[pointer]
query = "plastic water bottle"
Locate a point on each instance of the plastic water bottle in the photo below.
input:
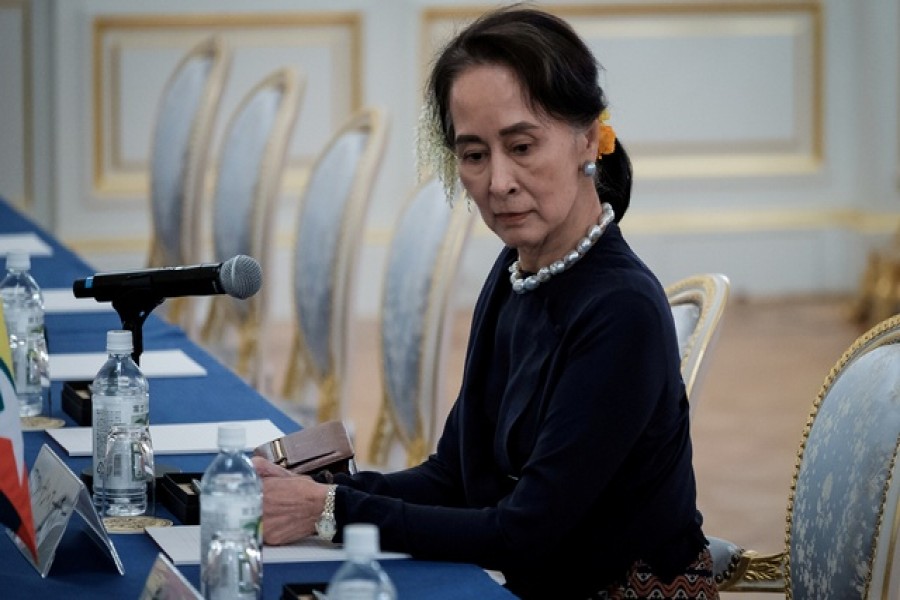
(360, 577)
(120, 395)
(230, 507)
(23, 311)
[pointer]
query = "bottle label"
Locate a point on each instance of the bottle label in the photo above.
(125, 472)
(113, 410)
(24, 319)
(221, 512)
(12, 309)
(30, 362)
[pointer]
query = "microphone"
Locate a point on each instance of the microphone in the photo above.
(240, 276)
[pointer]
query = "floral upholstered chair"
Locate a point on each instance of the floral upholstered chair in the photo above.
(326, 250)
(698, 304)
(416, 313)
(248, 180)
(181, 137)
(843, 521)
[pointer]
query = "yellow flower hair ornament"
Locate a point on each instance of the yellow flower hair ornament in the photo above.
(607, 135)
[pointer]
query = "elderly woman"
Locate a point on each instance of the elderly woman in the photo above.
(565, 462)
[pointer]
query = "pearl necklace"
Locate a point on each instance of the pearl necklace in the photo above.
(522, 284)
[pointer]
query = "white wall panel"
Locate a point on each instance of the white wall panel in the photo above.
(134, 55)
(764, 134)
(15, 99)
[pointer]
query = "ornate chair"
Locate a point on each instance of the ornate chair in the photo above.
(843, 521)
(698, 303)
(415, 322)
(181, 136)
(248, 179)
(326, 247)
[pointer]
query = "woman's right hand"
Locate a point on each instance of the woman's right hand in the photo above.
(291, 503)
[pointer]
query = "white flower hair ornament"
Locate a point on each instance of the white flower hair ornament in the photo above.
(433, 157)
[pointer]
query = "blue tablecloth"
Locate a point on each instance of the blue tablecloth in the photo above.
(80, 568)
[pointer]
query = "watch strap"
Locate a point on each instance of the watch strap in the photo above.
(326, 526)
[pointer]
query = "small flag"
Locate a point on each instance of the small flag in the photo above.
(15, 501)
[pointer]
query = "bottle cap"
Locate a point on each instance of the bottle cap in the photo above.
(361, 540)
(118, 341)
(231, 436)
(18, 260)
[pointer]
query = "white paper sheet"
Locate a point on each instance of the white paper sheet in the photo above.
(154, 363)
(64, 301)
(182, 545)
(187, 438)
(29, 242)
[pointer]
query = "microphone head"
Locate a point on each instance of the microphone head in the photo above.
(240, 276)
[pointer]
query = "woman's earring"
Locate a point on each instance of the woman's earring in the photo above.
(589, 168)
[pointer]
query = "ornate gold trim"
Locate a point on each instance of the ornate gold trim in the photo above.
(756, 573)
(134, 180)
(692, 165)
(710, 292)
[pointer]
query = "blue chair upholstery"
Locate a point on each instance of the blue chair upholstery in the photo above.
(325, 255)
(181, 136)
(698, 304)
(843, 522)
(248, 179)
(416, 312)
(840, 516)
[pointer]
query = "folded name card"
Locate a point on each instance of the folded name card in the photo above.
(26, 242)
(64, 301)
(182, 545)
(154, 363)
(179, 438)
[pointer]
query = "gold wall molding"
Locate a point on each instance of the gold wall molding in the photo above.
(797, 23)
(118, 173)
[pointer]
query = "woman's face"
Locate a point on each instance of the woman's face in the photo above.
(522, 169)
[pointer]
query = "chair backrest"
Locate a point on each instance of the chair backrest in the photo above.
(326, 250)
(698, 303)
(416, 311)
(248, 178)
(843, 523)
(181, 136)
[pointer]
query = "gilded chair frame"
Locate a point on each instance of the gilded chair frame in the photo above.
(709, 292)
(326, 374)
(247, 316)
(430, 338)
(879, 293)
(184, 225)
(751, 571)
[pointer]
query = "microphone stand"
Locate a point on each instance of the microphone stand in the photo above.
(134, 306)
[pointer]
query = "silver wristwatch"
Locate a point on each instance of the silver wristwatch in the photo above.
(326, 526)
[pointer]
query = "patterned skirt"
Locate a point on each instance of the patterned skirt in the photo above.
(697, 583)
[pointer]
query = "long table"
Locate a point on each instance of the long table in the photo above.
(80, 568)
